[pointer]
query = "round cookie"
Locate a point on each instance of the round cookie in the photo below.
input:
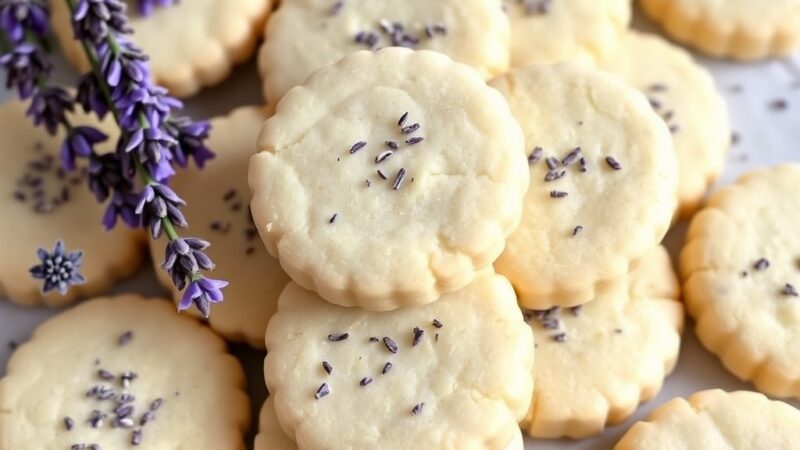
(305, 35)
(739, 29)
(595, 363)
(42, 204)
(740, 268)
(191, 44)
(217, 203)
(389, 179)
(123, 372)
(716, 419)
(271, 437)
(555, 31)
(452, 374)
(682, 92)
(603, 182)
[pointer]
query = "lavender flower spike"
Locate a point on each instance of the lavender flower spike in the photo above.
(17, 16)
(202, 293)
(59, 269)
(156, 203)
(79, 143)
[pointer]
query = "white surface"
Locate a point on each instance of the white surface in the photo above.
(767, 137)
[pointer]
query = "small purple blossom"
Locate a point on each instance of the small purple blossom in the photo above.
(202, 293)
(149, 102)
(122, 205)
(25, 66)
(49, 107)
(190, 137)
(185, 257)
(93, 20)
(90, 96)
(79, 143)
(19, 16)
(156, 203)
(152, 147)
(146, 7)
(58, 269)
(123, 67)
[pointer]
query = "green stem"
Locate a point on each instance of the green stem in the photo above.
(147, 179)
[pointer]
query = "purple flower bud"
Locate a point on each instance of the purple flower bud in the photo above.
(25, 65)
(184, 257)
(122, 205)
(92, 20)
(106, 175)
(19, 16)
(202, 293)
(49, 107)
(80, 142)
(90, 96)
(146, 7)
(190, 137)
(156, 203)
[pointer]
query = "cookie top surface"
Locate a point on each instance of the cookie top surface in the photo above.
(548, 32)
(364, 224)
(741, 272)
(41, 204)
(452, 374)
(109, 354)
(304, 35)
(217, 203)
(682, 92)
(595, 363)
(610, 194)
(717, 419)
(191, 44)
(763, 14)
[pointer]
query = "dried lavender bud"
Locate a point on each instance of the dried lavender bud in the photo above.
(418, 335)
(390, 344)
(327, 367)
(790, 291)
(323, 391)
(58, 269)
(761, 264)
(417, 409)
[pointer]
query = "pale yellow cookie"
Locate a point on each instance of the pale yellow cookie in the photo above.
(305, 35)
(123, 372)
(602, 187)
(192, 44)
(739, 29)
(271, 437)
(595, 363)
(450, 375)
(682, 92)
(41, 204)
(555, 31)
(717, 420)
(389, 179)
(217, 200)
(741, 276)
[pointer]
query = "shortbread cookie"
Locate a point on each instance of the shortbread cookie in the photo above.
(123, 372)
(602, 187)
(741, 275)
(304, 35)
(217, 202)
(191, 44)
(739, 29)
(595, 363)
(452, 374)
(682, 92)
(271, 437)
(388, 179)
(716, 419)
(41, 204)
(554, 31)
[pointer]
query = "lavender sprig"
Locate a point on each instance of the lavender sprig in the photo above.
(150, 143)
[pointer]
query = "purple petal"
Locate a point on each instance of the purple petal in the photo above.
(189, 295)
